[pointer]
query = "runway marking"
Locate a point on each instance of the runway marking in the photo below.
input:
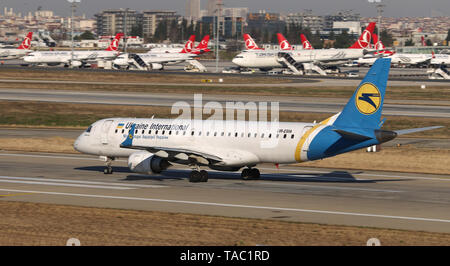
(16, 194)
(333, 187)
(235, 206)
(262, 168)
(79, 182)
(62, 184)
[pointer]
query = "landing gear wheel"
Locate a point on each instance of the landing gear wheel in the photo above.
(254, 173)
(108, 171)
(204, 176)
(246, 174)
(195, 177)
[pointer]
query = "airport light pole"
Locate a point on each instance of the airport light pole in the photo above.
(380, 9)
(125, 40)
(219, 9)
(73, 6)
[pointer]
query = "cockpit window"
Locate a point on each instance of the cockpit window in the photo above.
(89, 129)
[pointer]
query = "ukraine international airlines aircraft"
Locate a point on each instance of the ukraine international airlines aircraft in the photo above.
(157, 60)
(152, 145)
(79, 57)
(272, 58)
(22, 50)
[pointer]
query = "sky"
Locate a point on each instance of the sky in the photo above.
(394, 8)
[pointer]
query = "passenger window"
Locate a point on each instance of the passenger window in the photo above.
(164, 132)
(285, 135)
(222, 134)
(199, 133)
(292, 136)
(270, 136)
(278, 135)
(135, 132)
(123, 131)
(235, 135)
(184, 133)
(229, 134)
(249, 135)
(170, 132)
(192, 133)
(207, 134)
(156, 132)
(262, 135)
(215, 134)
(143, 132)
(256, 135)
(116, 131)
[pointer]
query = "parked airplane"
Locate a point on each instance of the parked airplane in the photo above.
(440, 59)
(152, 145)
(381, 52)
(22, 50)
(157, 60)
(78, 59)
(250, 44)
(187, 47)
(266, 60)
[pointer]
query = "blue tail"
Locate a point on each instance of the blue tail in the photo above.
(364, 109)
(128, 142)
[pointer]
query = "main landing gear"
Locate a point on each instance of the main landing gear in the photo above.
(198, 175)
(108, 168)
(250, 174)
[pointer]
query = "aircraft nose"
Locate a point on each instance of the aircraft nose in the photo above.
(79, 145)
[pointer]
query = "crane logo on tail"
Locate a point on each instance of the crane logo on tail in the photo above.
(364, 42)
(368, 99)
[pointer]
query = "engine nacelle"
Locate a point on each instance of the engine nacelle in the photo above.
(76, 63)
(145, 162)
(156, 66)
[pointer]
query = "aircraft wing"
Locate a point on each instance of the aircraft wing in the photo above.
(176, 154)
(166, 60)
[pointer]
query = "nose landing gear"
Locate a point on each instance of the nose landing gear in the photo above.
(108, 168)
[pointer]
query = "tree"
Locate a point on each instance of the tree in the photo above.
(137, 30)
(448, 37)
(386, 38)
(87, 35)
(409, 42)
(429, 42)
(343, 40)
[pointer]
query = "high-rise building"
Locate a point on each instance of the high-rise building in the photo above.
(213, 5)
(113, 21)
(193, 9)
(151, 19)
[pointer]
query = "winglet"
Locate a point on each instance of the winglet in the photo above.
(129, 140)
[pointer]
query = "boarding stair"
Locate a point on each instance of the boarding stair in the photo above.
(137, 62)
(194, 66)
(288, 61)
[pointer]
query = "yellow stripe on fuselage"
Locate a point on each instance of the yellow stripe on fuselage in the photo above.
(302, 141)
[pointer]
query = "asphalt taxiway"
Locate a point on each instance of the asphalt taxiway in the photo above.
(326, 196)
(291, 104)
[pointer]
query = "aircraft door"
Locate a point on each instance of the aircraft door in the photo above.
(105, 131)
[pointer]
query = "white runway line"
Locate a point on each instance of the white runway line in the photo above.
(234, 206)
(79, 182)
(332, 187)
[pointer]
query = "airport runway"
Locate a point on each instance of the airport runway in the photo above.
(291, 104)
(327, 196)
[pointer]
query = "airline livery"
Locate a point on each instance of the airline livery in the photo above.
(250, 44)
(79, 57)
(22, 50)
(157, 60)
(284, 44)
(153, 145)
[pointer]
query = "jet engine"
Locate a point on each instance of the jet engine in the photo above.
(156, 66)
(145, 162)
(76, 63)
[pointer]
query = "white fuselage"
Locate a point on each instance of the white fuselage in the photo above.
(154, 58)
(13, 53)
(270, 59)
(441, 59)
(245, 143)
(65, 57)
(410, 59)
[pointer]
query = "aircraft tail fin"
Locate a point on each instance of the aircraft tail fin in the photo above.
(114, 45)
(364, 109)
(128, 142)
(250, 44)
(364, 40)
(189, 45)
(284, 44)
(26, 43)
(306, 44)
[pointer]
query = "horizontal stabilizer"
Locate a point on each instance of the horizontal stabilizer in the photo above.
(352, 135)
(414, 130)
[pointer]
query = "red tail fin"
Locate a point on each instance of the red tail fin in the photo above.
(189, 45)
(250, 44)
(115, 43)
(204, 43)
(364, 40)
(306, 44)
(424, 43)
(26, 42)
(284, 44)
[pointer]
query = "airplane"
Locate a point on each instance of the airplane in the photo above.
(284, 44)
(22, 50)
(269, 59)
(80, 58)
(157, 60)
(153, 145)
(381, 52)
(250, 44)
(440, 59)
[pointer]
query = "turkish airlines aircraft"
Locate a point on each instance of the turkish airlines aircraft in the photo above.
(250, 44)
(157, 60)
(79, 57)
(381, 52)
(152, 145)
(271, 58)
(22, 50)
(284, 44)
